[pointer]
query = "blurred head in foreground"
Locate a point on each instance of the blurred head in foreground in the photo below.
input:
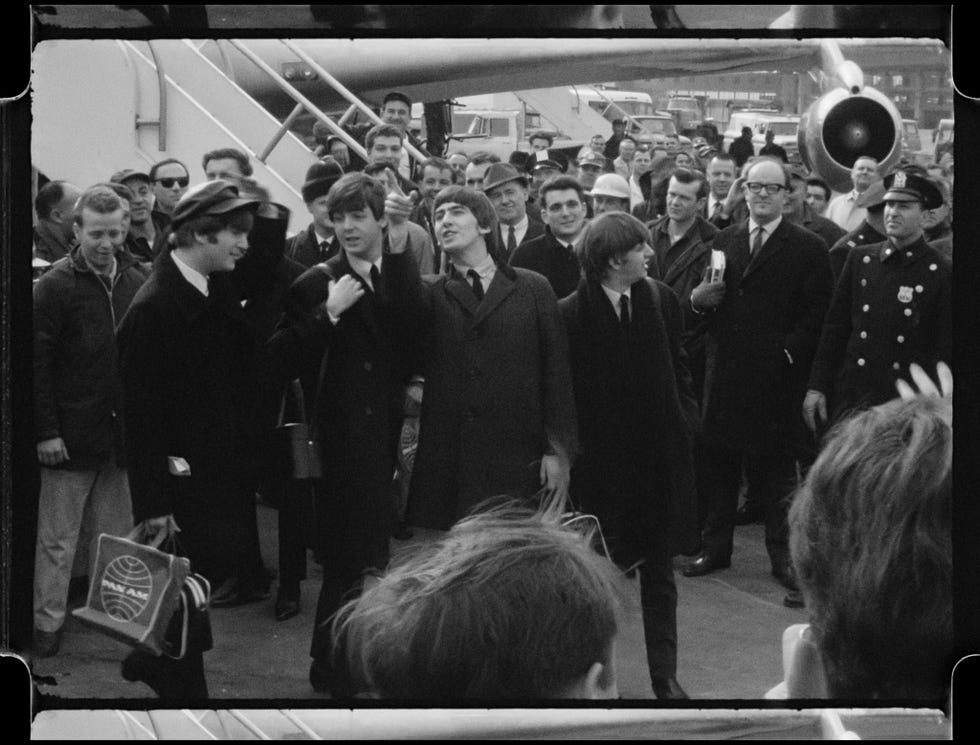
(871, 541)
(510, 604)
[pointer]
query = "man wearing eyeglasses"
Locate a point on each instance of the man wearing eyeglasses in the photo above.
(553, 254)
(763, 321)
(169, 179)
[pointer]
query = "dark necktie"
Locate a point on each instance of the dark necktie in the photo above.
(324, 246)
(624, 314)
(376, 280)
(716, 210)
(511, 242)
(757, 243)
(477, 285)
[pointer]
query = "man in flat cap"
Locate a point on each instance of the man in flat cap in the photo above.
(186, 363)
(507, 190)
(147, 231)
(892, 307)
(317, 243)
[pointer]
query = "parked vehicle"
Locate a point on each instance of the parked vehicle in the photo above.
(911, 142)
(784, 126)
(942, 135)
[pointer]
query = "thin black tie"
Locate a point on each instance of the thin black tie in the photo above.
(511, 242)
(624, 314)
(375, 280)
(477, 285)
(716, 210)
(757, 243)
(324, 246)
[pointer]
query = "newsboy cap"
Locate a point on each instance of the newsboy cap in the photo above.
(319, 178)
(120, 177)
(210, 198)
(500, 173)
(905, 186)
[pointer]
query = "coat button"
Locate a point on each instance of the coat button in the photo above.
(861, 362)
(900, 339)
(864, 283)
(908, 311)
(896, 366)
(933, 267)
(919, 288)
(864, 334)
(866, 308)
(867, 259)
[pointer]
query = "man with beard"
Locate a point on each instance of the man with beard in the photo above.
(554, 253)
(634, 469)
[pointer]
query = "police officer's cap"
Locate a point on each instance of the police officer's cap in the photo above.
(904, 186)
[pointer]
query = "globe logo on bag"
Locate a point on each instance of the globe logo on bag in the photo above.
(125, 588)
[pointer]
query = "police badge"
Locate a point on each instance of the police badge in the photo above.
(899, 183)
(905, 294)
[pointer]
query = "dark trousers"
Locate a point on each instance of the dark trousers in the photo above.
(775, 480)
(295, 527)
(658, 598)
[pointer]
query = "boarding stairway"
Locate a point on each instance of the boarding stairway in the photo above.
(577, 122)
(101, 106)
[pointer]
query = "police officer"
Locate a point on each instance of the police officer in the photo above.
(892, 307)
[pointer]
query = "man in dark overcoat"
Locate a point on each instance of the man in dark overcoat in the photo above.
(892, 307)
(360, 309)
(317, 243)
(187, 363)
(636, 415)
(498, 413)
(763, 322)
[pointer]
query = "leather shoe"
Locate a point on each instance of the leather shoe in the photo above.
(794, 599)
(749, 514)
(234, 592)
(704, 564)
(287, 605)
(784, 575)
(668, 688)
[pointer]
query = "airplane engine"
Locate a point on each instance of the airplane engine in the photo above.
(849, 121)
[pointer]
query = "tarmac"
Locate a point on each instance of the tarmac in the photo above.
(730, 625)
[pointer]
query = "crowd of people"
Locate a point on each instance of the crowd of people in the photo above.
(633, 334)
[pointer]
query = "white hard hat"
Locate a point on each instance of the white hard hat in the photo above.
(611, 185)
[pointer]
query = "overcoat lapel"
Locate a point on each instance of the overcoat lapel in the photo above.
(501, 286)
(773, 245)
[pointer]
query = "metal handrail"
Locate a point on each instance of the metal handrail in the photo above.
(343, 91)
(162, 86)
(291, 91)
(280, 133)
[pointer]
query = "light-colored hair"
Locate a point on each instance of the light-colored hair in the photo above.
(510, 604)
(871, 541)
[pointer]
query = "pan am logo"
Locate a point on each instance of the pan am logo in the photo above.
(126, 587)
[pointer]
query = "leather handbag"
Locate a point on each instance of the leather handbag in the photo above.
(299, 453)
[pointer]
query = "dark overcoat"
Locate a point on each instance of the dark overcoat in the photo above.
(892, 307)
(187, 365)
(762, 337)
(498, 393)
(359, 408)
(552, 259)
(636, 417)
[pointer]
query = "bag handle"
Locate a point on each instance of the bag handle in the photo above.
(138, 534)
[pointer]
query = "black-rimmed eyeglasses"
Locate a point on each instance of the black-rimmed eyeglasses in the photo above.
(168, 183)
(756, 188)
